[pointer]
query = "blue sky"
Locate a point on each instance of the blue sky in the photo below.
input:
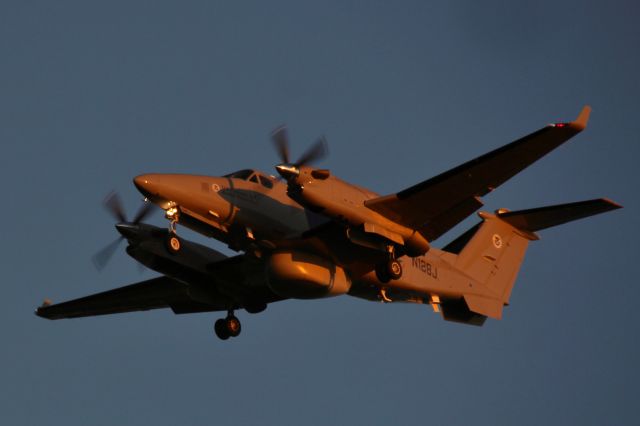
(94, 93)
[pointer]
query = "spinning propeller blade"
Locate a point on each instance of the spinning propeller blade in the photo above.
(280, 140)
(144, 211)
(286, 169)
(113, 205)
(316, 152)
(101, 258)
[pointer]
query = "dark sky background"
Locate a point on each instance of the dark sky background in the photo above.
(94, 93)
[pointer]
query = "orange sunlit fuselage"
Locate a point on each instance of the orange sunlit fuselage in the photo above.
(250, 201)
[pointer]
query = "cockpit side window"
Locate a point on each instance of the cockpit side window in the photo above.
(266, 182)
(254, 178)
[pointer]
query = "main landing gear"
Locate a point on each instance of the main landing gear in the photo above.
(227, 327)
(389, 270)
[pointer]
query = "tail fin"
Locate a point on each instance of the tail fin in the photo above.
(492, 258)
(491, 252)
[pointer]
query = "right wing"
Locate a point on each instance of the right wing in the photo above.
(161, 292)
(438, 204)
(232, 282)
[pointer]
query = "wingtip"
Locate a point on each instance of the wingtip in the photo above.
(612, 204)
(580, 123)
(40, 311)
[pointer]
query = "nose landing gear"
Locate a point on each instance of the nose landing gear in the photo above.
(173, 242)
(227, 327)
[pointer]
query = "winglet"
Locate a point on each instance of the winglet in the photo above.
(580, 123)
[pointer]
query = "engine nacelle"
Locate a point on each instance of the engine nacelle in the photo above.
(416, 245)
(300, 275)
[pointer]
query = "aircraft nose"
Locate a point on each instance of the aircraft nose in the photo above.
(145, 184)
(149, 185)
(159, 188)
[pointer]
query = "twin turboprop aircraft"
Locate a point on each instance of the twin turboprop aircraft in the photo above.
(309, 234)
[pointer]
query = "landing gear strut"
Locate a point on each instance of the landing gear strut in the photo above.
(227, 327)
(173, 242)
(389, 270)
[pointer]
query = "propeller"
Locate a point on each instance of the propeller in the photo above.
(287, 169)
(113, 205)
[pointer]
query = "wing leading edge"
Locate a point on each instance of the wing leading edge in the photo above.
(437, 204)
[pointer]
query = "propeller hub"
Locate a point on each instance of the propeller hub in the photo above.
(128, 230)
(288, 171)
(131, 231)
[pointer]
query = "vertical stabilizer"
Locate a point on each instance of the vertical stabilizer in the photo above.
(491, 252)
(492, 257)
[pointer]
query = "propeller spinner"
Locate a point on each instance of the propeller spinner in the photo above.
(287, 169)
(113, 205)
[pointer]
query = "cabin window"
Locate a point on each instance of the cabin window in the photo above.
(254, 178)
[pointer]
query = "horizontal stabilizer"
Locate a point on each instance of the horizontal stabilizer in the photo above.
(457, 310)
(486, 306)
(533, 220)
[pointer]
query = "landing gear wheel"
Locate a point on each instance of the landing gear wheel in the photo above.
(233, 326)
(220, 327)
(391, 270)
(227, 327)
(394, 269)
(382, 274)
(173, 243)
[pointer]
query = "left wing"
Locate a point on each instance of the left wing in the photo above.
(436, 205)
(161, 292)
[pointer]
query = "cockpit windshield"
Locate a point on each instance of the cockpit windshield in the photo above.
(252, 176)
(240, 174)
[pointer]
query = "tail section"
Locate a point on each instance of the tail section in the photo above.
(492, 258)
(491, 252)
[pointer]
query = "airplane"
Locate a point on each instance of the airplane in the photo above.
(308, 234)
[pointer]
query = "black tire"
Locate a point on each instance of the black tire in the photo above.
(394, 269)
(221, 330)
(382, 274)
(173, 243)
(232, 324)
(255, 308)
